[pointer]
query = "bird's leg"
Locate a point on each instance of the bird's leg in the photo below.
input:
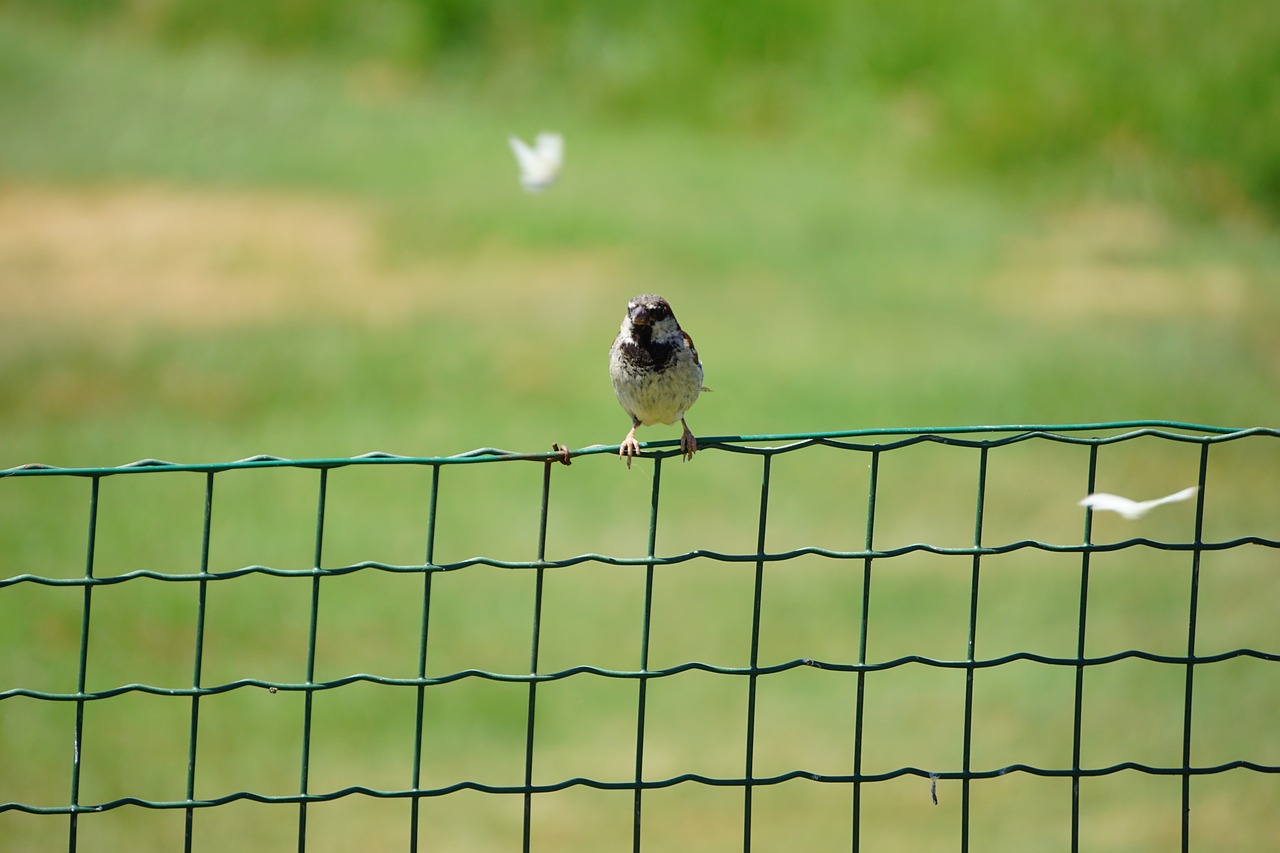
(688, 444)
(630, 447)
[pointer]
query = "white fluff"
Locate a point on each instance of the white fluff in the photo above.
(539, 163)
(1133, 509)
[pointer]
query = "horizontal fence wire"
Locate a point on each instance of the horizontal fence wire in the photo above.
(864, 562)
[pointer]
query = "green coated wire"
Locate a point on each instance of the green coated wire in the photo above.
(654, 784)
(198, 665)
(1082, 622)
(308, 694)
(670, 560)
(82, 668)
(872, 442)
(642, 690)
(1192, 619)
(971, 650)
(732, 444)
(534, 647)
(647, 675)
(420, 706)
(863, 621)
(752, 679)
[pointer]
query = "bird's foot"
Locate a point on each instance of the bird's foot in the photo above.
(688, 444)
(630, 448)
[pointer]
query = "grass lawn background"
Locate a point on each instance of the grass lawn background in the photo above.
(218, 240)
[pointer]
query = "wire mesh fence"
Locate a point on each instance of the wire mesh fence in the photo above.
(818, 641)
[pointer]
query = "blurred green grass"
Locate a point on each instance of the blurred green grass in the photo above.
(1182, 100)
(920, 243)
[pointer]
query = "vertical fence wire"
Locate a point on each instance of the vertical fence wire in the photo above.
(864, 616)
(419, 731)
(82, 666)
(1192, 618)
(534, 645)
(1077, 715)
(757, 597)
(312, 629)
(642, 687)
(971, 650)
(202, 590)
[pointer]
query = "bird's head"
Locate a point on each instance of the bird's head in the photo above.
(648, 309)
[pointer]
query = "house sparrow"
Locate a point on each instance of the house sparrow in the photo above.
(539, 163)
(655, 371)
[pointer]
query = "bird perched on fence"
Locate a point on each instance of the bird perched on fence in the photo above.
(655, 370)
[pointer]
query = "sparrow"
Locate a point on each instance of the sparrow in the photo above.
(655, 370)
(539, 163)
(1132, 509)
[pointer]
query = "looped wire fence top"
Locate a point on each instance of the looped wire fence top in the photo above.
(827, 640)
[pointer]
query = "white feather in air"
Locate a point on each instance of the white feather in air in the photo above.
(1133, 509)
(539, 163)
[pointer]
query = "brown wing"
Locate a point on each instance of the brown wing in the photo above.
(688, 341)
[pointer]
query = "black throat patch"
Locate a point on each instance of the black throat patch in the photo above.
(646, 350)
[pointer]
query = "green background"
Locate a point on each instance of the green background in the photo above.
(295, 228)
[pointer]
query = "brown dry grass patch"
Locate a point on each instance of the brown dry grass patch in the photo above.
(1111, 260)
(129, 258)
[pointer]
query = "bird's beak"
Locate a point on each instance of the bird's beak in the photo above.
(640, 317)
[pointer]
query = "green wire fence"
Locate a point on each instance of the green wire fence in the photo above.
(32, 806)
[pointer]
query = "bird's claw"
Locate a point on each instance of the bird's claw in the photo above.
(630, 448)
(688, 444)
(563, 450)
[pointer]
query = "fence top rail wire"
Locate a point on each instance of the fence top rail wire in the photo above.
(846, 439)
